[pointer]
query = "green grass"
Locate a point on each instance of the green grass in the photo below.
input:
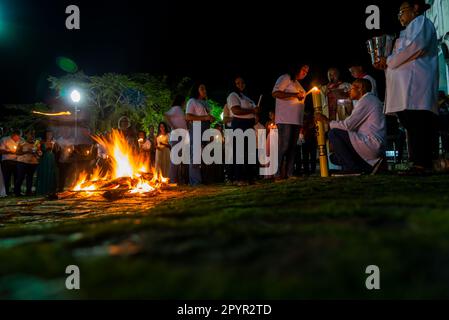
(306, 238)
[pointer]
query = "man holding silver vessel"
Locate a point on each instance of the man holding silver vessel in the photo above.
(412, 83)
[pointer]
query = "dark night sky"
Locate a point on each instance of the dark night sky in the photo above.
(210, 40)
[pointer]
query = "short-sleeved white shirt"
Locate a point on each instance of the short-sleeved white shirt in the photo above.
(243, 101)
(289, 111)
(197, 107)
(177, 117)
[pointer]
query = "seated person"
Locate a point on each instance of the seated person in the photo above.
(358, 142)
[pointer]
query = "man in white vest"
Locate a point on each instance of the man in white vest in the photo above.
(412, 83)
(358, 142)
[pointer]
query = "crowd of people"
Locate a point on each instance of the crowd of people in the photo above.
(353, 114)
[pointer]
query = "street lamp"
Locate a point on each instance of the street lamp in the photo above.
(75, 96)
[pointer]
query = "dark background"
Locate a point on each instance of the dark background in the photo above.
(208, 40)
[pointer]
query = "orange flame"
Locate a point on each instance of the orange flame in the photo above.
(126, 162)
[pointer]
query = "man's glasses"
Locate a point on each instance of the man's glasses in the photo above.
(402, 11)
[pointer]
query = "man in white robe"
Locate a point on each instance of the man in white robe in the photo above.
(412, 83)
(358, 142)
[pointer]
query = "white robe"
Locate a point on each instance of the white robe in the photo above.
(366, 127)
(412, 73)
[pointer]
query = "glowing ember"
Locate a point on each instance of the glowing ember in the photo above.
(128, 173)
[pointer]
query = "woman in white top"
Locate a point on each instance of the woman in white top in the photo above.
(197, 110)
(163, 150)
(244, 111)
(412, 83)
(289, 95)
(177, 120)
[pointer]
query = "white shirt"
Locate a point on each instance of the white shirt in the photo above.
(197, 107)
(144, 145)
(373, 84)
(244, 102)
(8, 144)
(412, 73)
(366, 127)
(177, 117)
(289, 111)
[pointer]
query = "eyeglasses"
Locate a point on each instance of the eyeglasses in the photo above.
(402, 11)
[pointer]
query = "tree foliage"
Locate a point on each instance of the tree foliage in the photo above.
(142, 97)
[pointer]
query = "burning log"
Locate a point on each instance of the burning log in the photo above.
(115, 194)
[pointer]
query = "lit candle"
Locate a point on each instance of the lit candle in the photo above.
(260, 99)
(316, 95)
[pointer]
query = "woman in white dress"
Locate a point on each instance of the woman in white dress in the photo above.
(163, 150)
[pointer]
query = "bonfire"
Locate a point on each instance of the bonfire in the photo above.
(128, 174)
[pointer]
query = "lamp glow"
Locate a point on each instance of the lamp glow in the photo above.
(75, 96)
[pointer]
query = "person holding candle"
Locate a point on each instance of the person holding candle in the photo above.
(27, 162)
(176, 119)
(244, 111)
(163, 150)
(412, 84)
(289, 95)
(197, 111)
(144, 145)
(46, 182)
(8, 149)
(358, 142)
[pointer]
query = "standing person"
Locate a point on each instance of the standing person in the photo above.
(124, 126)
(163, 150)
(152, 139)
(412, 83)
(271, 123)
(65, 152)
(27, 161)
(335, 89)
(46, 183)
(144, 149)
(243, 110)
(8, 150)
(290, 97)
(358, 72)
(227, 122)
(176, 119)
(197, 111)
